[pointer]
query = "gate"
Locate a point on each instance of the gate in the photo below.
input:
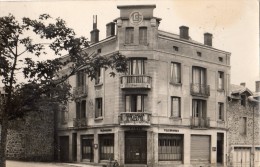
(135, 147)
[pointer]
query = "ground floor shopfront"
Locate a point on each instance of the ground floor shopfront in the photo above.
(147, 146)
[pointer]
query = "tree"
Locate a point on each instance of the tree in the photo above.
(18, 52)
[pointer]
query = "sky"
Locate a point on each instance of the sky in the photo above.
(233, 23)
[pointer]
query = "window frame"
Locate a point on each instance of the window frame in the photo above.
(98, 110)
(176, 80)
(137, 61)
(129, 35)
(143, 38)
(133, 104)
(178, 99)
(221, 111)
(221, 81)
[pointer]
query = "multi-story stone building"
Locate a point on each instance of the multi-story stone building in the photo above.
(243, 126)
(168, 110)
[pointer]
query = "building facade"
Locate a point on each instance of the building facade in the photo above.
(169, 109)
(243, 126)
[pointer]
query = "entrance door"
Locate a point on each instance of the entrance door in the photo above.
(220, 144)
(64, 148)
(87, 148)
(74, 146)
(136, 147)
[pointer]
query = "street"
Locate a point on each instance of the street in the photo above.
(43, 164)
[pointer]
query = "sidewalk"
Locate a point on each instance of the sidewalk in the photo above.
(46, 164)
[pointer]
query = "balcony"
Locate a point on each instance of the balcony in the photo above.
(200, 90)
(135, 119)
(199, 123)
(80, 91)
(136, 81)
(79, 122)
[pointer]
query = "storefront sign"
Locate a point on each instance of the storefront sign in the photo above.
(171, 130)
(105, 130)
(136, 128)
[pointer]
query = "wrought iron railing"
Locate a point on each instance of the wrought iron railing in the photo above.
(136, 81)
(200, 122)
(200, 90)
(135, 118)
(80, 91)
(80, 122)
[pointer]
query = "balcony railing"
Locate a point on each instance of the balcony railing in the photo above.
(200, 90)
(136, 81)
(135, 119)
(80, 91)
(79, 122)
(200, 123)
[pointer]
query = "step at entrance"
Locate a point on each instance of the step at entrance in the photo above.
(135, 165)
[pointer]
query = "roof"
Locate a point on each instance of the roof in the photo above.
(239, 89)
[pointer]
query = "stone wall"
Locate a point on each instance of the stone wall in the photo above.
(32, 137)
(235, 111)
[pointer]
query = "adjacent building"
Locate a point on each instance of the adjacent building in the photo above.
(243, 126)
(169, 109)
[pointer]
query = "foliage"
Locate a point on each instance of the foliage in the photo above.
(45, 81)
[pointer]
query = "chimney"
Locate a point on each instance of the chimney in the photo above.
(184, 32)
(110, 29)
(243, 84)
(257, 86)
(95, 32)
(208, 39)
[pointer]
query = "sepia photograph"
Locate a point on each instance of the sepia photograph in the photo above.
(139, 83)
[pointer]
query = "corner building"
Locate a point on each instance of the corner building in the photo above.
(168, 110)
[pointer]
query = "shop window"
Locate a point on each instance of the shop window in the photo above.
(175, 107)
(106, 143)
(98, 105)
(170, 147)
(129, 35)
(175, 73)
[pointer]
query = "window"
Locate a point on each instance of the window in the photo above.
(175, 107)
(243, 100)
(106, 143)
(129, 35)
(198, 108)
(220, 80)
(136, 66)
(175, 73)
(99, 76)
(221, 111)
(176, 48)
(199, 75)
(243, 126)
(170, 147)
(143, 35)
(135, 103)
(63, 114)
(220, 59)
(98, 105)
(199, 54)
(80, 79)
(99, 51)
(81, 109)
